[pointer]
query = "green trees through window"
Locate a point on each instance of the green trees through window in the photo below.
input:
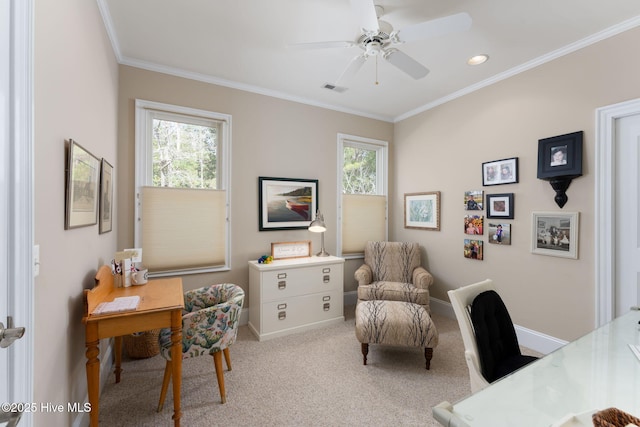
(184, 155)
(359, 173)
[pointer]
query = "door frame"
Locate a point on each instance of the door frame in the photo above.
(19, 188)
(605, 208)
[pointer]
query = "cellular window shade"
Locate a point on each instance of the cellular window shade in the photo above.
(363, 219)
(183, 228)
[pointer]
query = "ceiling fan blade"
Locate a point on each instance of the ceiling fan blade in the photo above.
(321, 45)
(406, 63)
(352, 69)
(365, 13)
(435, 27)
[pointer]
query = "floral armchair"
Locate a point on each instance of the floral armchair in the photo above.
(392, 271)
(209, 326)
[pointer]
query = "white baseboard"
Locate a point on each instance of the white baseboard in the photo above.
(534, 340)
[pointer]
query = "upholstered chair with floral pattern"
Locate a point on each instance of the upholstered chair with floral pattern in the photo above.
(209, 326)
(392, 271)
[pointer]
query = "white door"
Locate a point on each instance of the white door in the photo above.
(16, 207)
(627, 246)
(4, 156)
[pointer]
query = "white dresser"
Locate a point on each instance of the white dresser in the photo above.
(294, 295)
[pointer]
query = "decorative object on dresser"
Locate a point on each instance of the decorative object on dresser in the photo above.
(294, 295)
(559, 162)
(210, 324)
(282, 250)
(393, 271)
(318, 226)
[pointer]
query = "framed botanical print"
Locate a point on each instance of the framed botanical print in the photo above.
(422, 210)
(106, 197)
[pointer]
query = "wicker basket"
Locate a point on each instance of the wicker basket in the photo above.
(142, 345)
(614, 417)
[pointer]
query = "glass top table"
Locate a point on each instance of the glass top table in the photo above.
(595, 372)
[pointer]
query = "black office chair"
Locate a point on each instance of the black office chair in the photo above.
(496, 339)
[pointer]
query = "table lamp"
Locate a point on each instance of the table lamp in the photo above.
(317, 226)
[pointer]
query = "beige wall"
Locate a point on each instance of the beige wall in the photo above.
(270, 137)
(443, 149)
(75, 95)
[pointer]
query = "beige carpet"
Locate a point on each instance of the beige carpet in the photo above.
(313, 378)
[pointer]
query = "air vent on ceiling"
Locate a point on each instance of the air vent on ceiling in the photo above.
(334, 88)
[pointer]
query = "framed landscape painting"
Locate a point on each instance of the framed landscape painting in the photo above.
(82, 181)
(422, 210)
(286, 204)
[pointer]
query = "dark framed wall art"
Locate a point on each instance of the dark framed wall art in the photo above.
(498, 172)
(285, 203)
(560, 156)
(500, 206)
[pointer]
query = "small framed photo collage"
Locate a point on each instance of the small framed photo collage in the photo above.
(489, 211)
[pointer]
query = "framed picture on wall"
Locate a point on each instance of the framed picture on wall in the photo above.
(498, 172)
(285, 203)
(422, 210)
(500, 206)
(555, 234)
(82, 187)
(106, 197)
(560, 156)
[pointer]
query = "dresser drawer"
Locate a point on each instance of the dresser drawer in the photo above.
(302, 310)
(285, 283)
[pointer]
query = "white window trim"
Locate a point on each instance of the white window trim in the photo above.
(144, 166)
(382, 159)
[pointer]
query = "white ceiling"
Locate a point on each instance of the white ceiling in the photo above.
(245, 44)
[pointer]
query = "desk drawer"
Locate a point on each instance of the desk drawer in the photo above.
(301, 310)
(280, 284)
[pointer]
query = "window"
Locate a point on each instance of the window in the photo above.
(182, 188)
(362, 201)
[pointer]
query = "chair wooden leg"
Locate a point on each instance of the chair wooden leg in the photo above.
(365, 351)
(165, 385)
(217, 361)
(227, 358)
(428, 354)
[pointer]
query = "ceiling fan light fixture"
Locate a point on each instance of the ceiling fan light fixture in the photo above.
(478, 59)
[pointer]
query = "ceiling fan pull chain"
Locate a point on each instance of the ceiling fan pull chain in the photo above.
(377, 70)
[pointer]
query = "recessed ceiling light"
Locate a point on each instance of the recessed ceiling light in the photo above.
(478, 59)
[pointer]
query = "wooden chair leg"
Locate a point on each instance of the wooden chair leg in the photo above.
(217, 361)
(365, 351)
(428, 354)
(227, 358)
(165, 385)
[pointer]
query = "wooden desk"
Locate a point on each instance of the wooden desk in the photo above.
(161, 304)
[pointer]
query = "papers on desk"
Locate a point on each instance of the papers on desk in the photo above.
(118, 305)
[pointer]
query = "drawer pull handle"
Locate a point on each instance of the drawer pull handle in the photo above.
(327, 306)
(326, 270)
(282, 306)
(326, 298)
(282, 275)
(326, 279)
(282, 315)
(282, 284)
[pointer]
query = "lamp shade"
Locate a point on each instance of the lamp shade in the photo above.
(317, 225)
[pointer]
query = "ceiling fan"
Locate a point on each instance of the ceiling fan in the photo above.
(378, 38)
